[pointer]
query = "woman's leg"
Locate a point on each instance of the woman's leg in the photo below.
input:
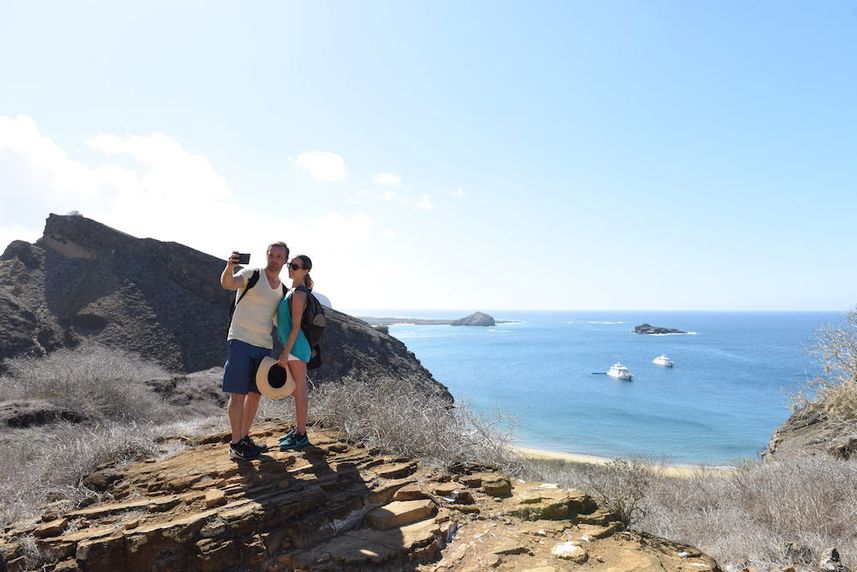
(298, 369)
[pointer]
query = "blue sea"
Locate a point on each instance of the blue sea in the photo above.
(720, 403)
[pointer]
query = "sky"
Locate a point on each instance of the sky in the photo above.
(479, 155)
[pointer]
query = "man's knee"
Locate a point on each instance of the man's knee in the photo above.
(237, 398)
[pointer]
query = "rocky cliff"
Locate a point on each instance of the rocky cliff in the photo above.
(162, 300)
(809, 431)
(333, 506)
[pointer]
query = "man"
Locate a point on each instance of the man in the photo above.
(249, 341)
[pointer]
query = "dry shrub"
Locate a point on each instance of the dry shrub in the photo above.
(50, 465)
(389, 414)
(761, 514)
(621, 486)
(97, 382)
(835, 393)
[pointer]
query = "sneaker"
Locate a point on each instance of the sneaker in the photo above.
(295, 441)
(253, 446)
(240, 452)
(289, 435)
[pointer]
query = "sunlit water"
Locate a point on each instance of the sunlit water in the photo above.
(725, 396)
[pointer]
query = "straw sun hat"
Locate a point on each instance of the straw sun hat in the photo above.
(274, 381)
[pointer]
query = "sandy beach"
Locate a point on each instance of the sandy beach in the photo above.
(678, 471)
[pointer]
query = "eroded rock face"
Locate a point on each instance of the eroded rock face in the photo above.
(810, 432)
(332, 506)
(86, 281)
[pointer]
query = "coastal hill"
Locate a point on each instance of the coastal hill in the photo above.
(474, 319)
(334, 506)
(84, 281)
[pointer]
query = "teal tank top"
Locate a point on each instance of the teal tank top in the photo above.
(301, 349)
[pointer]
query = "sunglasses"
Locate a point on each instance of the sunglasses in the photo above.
(294, 266)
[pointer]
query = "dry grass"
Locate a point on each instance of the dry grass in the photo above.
(100, 383)
(387, 414)
(835, 393)
(762, 514)
(49, 465)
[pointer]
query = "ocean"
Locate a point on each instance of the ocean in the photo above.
(729, 389)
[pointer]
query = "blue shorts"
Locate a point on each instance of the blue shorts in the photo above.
(242, 361)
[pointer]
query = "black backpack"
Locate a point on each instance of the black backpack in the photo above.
(250, 283)
(313, 321)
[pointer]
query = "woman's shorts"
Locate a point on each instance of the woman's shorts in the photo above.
(242, 361)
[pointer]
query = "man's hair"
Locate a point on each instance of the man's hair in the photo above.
(281, 244)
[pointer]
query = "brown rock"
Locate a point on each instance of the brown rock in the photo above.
(214, 497)
(400, 513)
(497, 486)
(396, 471)
(570, 551)
(409, 492)
(52, 528)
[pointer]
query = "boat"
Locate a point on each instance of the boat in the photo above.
(663, 361)
(619, 371)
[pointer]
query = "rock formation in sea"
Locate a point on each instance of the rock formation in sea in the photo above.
(333, 506)
(649, 329)
(475, 319)
(83, 280)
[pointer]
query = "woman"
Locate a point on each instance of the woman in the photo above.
(296, 350)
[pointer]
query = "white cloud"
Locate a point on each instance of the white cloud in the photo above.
(152, 186)
(459, 192)
(387, 179)
(322, 165)
(389, 233)
(425, 203)
(387, 196)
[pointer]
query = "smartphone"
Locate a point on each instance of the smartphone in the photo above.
(244, 258)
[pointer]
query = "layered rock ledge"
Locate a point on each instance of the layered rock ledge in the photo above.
(333, 506)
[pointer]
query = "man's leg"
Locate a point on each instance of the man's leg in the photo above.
(251, 405)
(236, 415)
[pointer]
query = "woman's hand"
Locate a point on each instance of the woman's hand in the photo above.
(283, 362)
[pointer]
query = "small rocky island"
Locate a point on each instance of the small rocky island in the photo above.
(474, 319)
(650, 329)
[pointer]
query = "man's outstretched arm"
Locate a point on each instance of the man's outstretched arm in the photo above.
(228, 278)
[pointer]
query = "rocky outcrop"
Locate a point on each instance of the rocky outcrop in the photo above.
(809, 431)
(86, 281)
(649, 329)
(333, 506)
(475, 319)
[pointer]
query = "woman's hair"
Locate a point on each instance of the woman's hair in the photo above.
(307, 264)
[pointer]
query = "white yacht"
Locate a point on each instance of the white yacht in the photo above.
(663, 361)
(619, 371)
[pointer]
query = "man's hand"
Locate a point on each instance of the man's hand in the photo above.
(227, 279)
